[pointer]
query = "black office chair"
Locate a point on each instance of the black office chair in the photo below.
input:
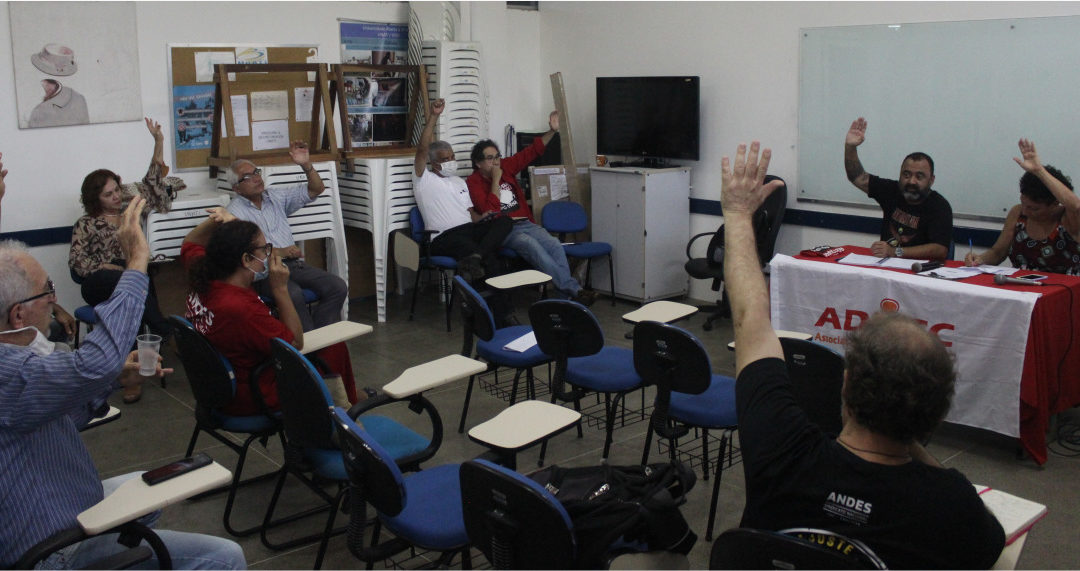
(767, 220)
(803, 548)
(817, 378)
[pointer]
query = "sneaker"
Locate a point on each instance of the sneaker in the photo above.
(471, 268)
(585, 297)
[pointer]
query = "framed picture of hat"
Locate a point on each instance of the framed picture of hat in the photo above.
(66, 76)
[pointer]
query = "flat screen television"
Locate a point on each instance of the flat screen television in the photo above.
(648, 118)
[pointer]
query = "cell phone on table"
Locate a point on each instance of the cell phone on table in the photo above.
(180, 467)
(1032, 277)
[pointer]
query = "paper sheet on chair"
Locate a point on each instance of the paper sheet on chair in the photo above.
(522, 344)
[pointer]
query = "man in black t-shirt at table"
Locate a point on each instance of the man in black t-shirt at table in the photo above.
(874, 482)
(916, 221)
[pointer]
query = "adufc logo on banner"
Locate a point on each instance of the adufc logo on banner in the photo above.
(841, 320)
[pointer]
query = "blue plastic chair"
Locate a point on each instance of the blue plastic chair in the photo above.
(688, 395)
(478, 321)
(514, 521)
(422, 510)
(307, 416)
(442, 264)
(213, 384)
(564, 217)
(570, 333)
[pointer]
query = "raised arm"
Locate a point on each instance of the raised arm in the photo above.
(153, 184)
(855, 171)
(1031, 163)
(201, 234)
(159, 141)
(298, 152)
(434, 110)
(741, 193)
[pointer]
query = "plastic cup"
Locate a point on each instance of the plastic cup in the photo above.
(601, 160)
(149, 346)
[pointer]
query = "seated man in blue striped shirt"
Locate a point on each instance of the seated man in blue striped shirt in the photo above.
(270, 212)
(46, 394)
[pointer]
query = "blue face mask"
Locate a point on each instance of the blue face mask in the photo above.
(265, 272)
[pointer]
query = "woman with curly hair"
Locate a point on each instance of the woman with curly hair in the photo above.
(96, 260)
(1041, 232)
(224, 257)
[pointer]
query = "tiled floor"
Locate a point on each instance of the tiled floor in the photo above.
(156, 430)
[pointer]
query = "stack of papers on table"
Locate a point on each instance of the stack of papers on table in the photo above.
(876, 262)
(1016, 514)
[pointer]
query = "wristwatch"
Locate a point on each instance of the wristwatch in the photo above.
(899, 252)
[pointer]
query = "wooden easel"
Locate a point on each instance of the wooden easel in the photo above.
(576, 183)
(276, 77)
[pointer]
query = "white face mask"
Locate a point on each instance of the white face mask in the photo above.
(265, 273)
(449, 168)
(40, 346)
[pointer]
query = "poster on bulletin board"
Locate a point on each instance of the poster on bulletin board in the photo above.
(377, 102)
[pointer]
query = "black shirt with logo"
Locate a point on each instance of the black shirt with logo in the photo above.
(903, 224)
(913, 516)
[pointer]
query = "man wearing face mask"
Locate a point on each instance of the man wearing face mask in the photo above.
(917, 221)
(47, 393)
(443, 198)
(270, 212)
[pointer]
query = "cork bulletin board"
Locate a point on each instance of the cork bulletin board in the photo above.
(192, 88)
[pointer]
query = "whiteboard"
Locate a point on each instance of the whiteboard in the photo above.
(962, 92)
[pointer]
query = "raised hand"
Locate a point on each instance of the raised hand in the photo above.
(1030, 162)
(553, 121)
(279, 273)
(220, 215)
(130, 235)
(298, 152)
(155, 129)
(857, 133)
(742, 190)
(437, 107)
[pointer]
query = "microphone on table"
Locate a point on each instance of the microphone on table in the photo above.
(918, 267)
(1002, 280)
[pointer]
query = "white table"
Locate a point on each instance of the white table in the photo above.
(521, 426)
(661, 311)
(135, 498)
(328, 335)
(432, 374)
(518, 279)
(781, 333)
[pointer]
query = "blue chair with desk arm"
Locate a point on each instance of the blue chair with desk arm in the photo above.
(312, 453)
(564, 217)
(571, 335)
(478, 321)
(213, 384)
(422, 510)
(817, 379)
(688, 396)
(442, 264)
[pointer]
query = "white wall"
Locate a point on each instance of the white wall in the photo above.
(747, 54)
(47, 165)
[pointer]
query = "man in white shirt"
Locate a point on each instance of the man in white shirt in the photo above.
(444, 202)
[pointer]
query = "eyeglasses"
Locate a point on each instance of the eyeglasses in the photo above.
(255, 173)
(50, 289)
(266, 249)
(492, 157)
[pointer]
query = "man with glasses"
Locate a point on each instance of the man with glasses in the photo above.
(461, 232)
(494, 190)
(270, 211)
(46, 394)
